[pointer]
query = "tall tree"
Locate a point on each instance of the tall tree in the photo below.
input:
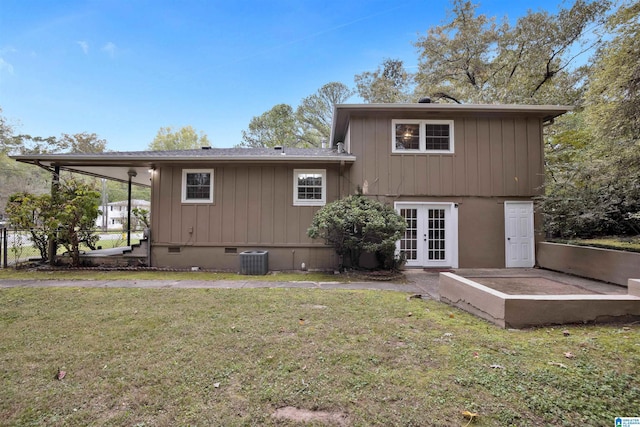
(593, 185)
(613, 98)
(82, 143)
(472, 58)
(315, 112)
(272, 128)
(185, 138)
(390, 83)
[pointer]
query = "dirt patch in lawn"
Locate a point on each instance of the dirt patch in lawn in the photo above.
(306, 416)
(531, 286)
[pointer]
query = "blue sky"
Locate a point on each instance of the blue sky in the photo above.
(124, 68)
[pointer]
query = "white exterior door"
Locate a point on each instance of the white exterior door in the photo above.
(431, 237)
(519, 237)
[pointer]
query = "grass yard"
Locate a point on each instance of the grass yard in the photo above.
(166, 357)
(625, 243)
(71, 274)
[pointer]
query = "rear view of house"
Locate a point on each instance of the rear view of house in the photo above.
(463, 176)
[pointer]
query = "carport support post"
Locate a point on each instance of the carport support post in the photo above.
(131, 174)
(53, 245)
(5, 236)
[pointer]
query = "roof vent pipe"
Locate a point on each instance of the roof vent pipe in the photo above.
(340, 147)
(425, 100)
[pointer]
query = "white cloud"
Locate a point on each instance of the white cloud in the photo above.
(110, 48)
(84, 46)
(5, 66)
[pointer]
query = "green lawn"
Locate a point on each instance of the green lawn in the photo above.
(166, 357)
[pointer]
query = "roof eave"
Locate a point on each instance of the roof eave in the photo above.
(342, 112)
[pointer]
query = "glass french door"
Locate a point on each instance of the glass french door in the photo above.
(429, 237)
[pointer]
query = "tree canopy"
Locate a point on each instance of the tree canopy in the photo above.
(272, 128)
(308, 126)
(390, 83)
(185, 138)
(475, 59)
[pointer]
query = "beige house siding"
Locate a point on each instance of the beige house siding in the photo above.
(252, 209)
(494, 157)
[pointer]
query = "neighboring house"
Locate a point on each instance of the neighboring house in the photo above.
(114, 215)
(463, 176)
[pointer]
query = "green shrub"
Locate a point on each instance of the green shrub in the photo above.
(356, 225)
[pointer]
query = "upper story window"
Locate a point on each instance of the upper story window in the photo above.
(309, 187)
(422, 136)
(197, 186)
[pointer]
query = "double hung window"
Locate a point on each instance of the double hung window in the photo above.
(422, 136)
(309, 187)
(197, 186)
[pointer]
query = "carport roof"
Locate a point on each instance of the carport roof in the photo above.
(118, 165)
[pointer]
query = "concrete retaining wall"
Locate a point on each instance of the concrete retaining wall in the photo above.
(521, 311)
(594, 263)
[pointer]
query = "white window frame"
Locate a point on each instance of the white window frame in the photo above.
(423, 136)
(184, 186)
(309, 202)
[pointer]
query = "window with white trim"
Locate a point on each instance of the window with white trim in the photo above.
(309, 187)
(422, 136)
(197, 185)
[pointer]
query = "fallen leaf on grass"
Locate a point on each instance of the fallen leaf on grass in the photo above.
(471, 416)
(61, 374)
(559, 365)
(496, 367)
(569, 355)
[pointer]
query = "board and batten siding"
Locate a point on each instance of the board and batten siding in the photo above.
(253, 206)
(494, 157)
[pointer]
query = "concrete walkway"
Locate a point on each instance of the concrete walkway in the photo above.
(418, 281)
(423, 284)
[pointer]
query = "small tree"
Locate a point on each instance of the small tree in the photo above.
(357, 224)
(141, 217)
(32, 213)
(68, 217)
(76, 216)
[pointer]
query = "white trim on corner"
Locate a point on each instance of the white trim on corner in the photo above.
(183, 185)
(306, 202)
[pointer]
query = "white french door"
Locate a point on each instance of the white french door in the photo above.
(431, 237)
(519, 234)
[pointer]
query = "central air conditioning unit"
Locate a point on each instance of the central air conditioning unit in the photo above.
(254, 262)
